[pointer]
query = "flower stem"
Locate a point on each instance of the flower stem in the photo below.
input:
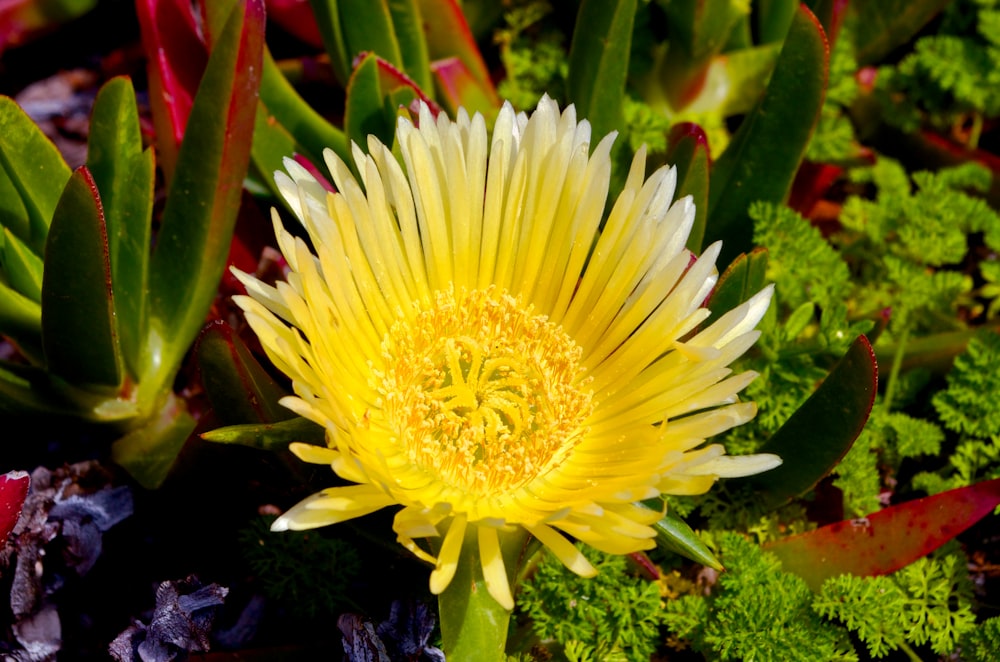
(474, 625)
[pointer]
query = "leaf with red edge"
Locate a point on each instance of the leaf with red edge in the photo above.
(821, 431)
(687, 150)
(449, 36)
(13, 491)
(239, 388)
(887, 540)
(176, 56)
(457, 88)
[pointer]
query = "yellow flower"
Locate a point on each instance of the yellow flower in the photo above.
(484, 352)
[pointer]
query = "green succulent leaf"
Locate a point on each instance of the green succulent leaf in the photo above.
(21, 321)
(365, 112)
(21, 268)
(239, 388)
(773, 19)
(201, 209)
(269, 436)
(449, 38)
(148, 452)
(352, 27)
(880, 27)
(125, 177)
(598, 61)
(675, 535)
(79, 327)
(823, 429)
(761, 161)
(32, 167)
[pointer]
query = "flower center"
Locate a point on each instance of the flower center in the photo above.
(483, 393)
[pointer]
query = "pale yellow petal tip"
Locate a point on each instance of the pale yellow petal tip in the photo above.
(313, 454)
(737, 466)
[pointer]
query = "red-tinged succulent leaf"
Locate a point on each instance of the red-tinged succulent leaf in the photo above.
(125, 176)
(598, 61)
(23, 21)
(457, 88)
(761, 161)
(296, 18)
(687, 150)
(812, 182)
(821, 431)
(365, 111)
(743, 278)
(831, 14)
(888, 540)
(13, 491)
(240, 390)
(449, 36)
(33, 173)
(79, 326)
(202, 204)
(176, 56)
(393, 81)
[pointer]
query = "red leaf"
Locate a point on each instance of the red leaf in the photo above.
(887, 540)
(296, 17)
(13, 490)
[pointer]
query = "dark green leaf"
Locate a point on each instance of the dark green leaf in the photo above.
(598, 61)
(744, 277)
(878, 28)
(822, 430)
(410, 25)
(761, 161)
(327, 13)
(269, 436)
(202, 204)
(125, 178)
(240, 390)
(365, 111)
(34, 168)
(773, 19)
(674, 535)
(79, 327)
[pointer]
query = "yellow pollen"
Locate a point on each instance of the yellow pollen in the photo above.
(482, 393)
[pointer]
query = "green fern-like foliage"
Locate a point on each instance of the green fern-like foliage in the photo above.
(306, 571)
(534, 55)
(756, 611)
(928, 602)
(969, 403)
(980, 644)
(950, 76)
(613, 614)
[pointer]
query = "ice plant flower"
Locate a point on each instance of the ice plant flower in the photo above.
(485, 353)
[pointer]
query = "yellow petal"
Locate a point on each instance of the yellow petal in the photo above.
(447, 561)
(564, 550)
(494, 571)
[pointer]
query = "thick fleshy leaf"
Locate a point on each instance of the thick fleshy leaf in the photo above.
(125, 177)
(13, 491)
(286, 107)
(744, 277)
(687, 150)
(295, 17)
(674, 535)
(888, 540)
(148, 452)
(202, 203)
(176, 56)
(761, 161)
(365, 112)
(240, 390)
(269, 436)
(353, 27)
(35, 169)
(831, 15)
(814, 439)
(79, 327)
(598, 61)
(21, 321)
(271, 143)
(20, 266)
(400, 89)
(449, 38)
(878, 28)
(773, 19)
